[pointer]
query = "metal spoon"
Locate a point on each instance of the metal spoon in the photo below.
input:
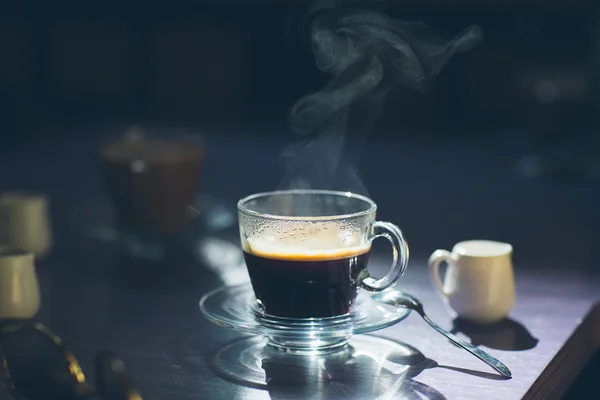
(400, 299)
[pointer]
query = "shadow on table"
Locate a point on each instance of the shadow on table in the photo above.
(508, 334)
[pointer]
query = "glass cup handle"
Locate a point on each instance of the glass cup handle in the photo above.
(399, 250)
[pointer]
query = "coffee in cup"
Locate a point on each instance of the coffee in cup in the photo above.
(307, 281)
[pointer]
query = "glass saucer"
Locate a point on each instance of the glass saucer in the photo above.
(235, 307)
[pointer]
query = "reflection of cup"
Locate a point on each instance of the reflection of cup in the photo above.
(307, 250)
(19, 290)
(151, 183)
(24, 222)
(479, 283)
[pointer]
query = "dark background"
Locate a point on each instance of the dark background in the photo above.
(240, 64)
(505, 145)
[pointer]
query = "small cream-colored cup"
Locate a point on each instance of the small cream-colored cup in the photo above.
(24, 222)
(479, 281)
(19, 290)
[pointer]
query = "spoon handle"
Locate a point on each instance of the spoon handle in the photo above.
(482, 355)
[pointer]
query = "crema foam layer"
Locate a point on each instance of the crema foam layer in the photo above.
(321, 243)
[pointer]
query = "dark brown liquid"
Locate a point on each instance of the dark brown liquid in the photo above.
(151, 184)
(303, 288)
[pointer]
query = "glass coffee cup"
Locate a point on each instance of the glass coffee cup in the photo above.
(307, 251)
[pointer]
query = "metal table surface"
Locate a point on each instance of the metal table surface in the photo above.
(149, 315)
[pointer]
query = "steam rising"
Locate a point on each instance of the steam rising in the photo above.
(367, 53)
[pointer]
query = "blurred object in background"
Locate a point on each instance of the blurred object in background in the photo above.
(25, 223)
(231, 65)
(594, 147)
(36, 365)
(112, 379)
(197, 69)
(16, 80)
(19, 289)
(554, 105)
(152, 183)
